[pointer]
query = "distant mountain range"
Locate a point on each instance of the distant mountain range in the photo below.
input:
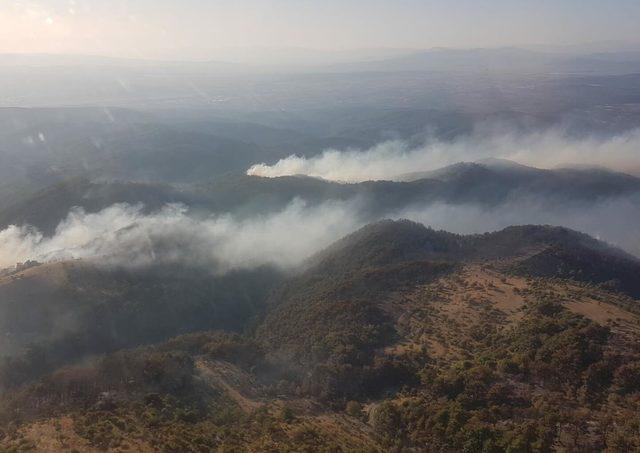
(603, 60)
(505, 61)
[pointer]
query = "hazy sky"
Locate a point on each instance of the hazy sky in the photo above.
(193, 28)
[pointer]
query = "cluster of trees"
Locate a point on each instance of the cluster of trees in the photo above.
(546, 382)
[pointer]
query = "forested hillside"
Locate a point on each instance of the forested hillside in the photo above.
(395, 338)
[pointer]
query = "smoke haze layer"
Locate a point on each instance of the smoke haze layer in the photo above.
(395, 160)
(123, 235)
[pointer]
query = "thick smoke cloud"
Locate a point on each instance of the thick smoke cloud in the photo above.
(395, 160)
(123, 235)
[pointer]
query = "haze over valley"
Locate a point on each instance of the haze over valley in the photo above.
(277, 226)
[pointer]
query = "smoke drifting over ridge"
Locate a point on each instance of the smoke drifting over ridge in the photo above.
(123, 235)
(395, 159)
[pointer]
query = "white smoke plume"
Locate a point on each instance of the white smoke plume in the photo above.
(395, 160)
(123, 235)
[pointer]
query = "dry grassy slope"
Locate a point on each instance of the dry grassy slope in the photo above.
(446, 318)
(348, 433)
(449, 318)
(58, 434)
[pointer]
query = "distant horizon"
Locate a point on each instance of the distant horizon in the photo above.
(192, 29)
(577, 48)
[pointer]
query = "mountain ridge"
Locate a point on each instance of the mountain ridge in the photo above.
(384, 337)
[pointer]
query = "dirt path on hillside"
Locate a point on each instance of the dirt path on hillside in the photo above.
(230, 379)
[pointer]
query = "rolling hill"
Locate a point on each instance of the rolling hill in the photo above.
(395, 338)
(63, 311)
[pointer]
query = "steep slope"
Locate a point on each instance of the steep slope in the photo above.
(386, 243)
(514, 248)
(475, 335)
(56, 313)
(333, 320)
